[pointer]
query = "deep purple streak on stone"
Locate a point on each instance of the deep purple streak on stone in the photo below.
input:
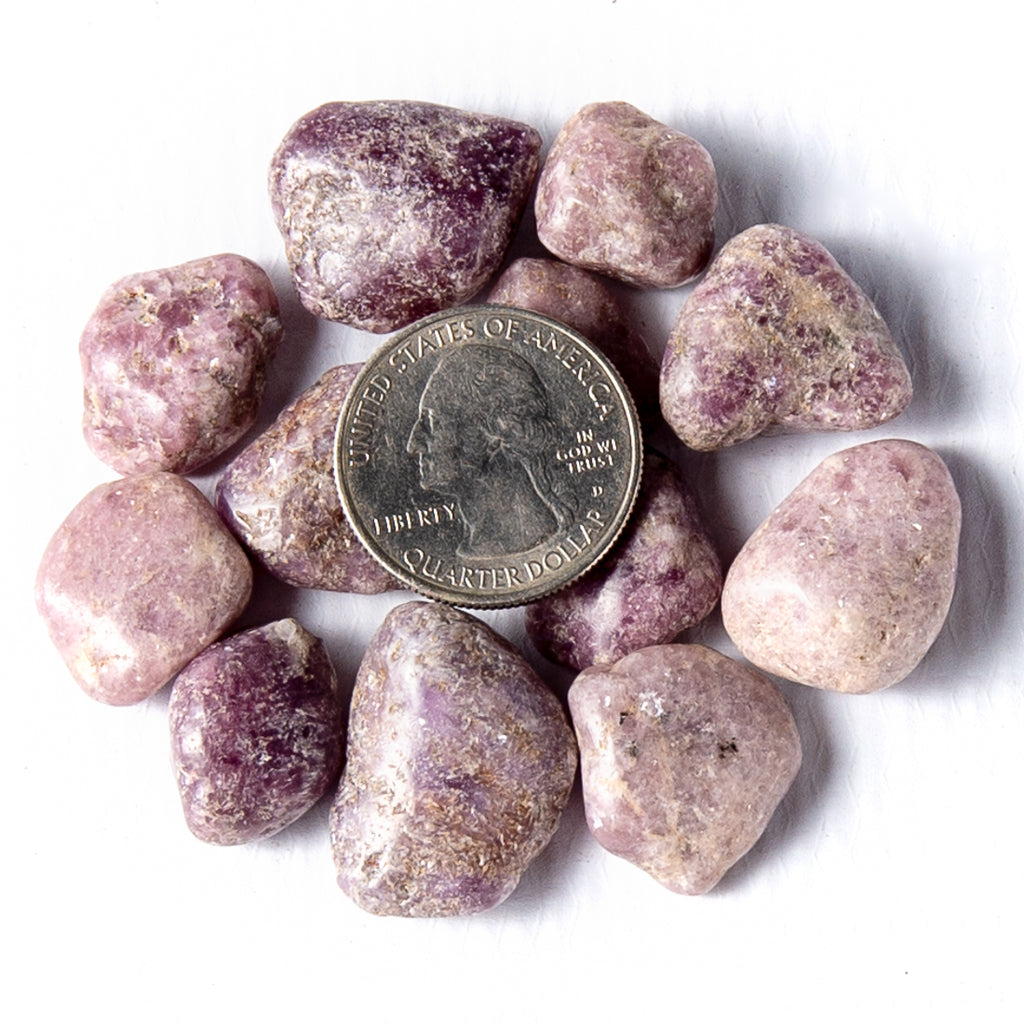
(777, 335)
(173, 363)
(280, 498)
(847, 583)
(662, 576)
(684, 756)
(391, 210)
(580, 299)
(139, 578)
(627, 196)
(257, 733)
(459, 765)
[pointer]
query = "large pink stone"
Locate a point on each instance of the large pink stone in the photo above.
(627, 196)
(581, 300)
(847, 583)
(391, 210)
(139, 578)
(173, 363)
(279, 497)
(662, 576)
(257, 732)
(777, 335)
(684, 756)
(459, 765)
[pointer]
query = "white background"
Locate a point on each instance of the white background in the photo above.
(137, 135)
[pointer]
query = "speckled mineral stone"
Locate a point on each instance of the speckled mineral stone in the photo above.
(460, 763)
(580, 300)
(778, 336)
(257, 732)
(662, 577)
(684, 756)
(847, 583)
(627, 196)
(173, 363)
(137, 580)
(280, 499)
(391, 210)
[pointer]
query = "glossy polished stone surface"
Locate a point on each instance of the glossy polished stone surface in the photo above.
(139, 578)
(257, 732)
(684, 756)
(280, 498)
(778, 336)
(459, 765)
(627, 196)
(174, 361)
(391, 210)
(662, 576)
(847, 583)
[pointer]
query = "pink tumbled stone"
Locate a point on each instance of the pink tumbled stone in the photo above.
(391, 210)
(280, 499)
(579, 299)
(459, 764)
(173, 363)
(137, 580)
(662, 576)
(257, 732)
(684, 756)
(847, 583)
(627, 196)
(777, 335)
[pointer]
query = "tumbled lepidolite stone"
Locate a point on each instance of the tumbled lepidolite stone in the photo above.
(777, 335)
(139, 578)
(627, 196)
(684, 756)
(257, 732)
(391, 210)
(576, 297)
(279, 497)
(459, 765)
(847, 583)
(662, 576)
(173, 363)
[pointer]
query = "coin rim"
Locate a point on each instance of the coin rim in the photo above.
(496, 601)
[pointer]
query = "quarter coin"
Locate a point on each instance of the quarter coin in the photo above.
(487, 455)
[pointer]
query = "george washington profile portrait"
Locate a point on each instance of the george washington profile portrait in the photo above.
(483, 436)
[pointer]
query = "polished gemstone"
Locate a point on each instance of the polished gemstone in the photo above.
(777, 335)
(280, 498)
(628, 196)
(257, 732)
(139, 578)
(847, 583)
(391, 210)
(459, 765)
(662, 577)
(173, 363)
(684, 756)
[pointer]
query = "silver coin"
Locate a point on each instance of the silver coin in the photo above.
(487, 455)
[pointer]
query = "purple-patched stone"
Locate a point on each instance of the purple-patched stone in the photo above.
(778, 336)
(257, 733)
(173, 363)
(662, 576)
(391, 210)
(459, 764)
(847, 583)
(628, 196)
(139, 578)
(684, 756)
(581, 300)
(280, 499)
